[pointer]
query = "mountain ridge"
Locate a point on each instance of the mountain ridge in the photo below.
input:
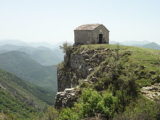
(152, 45)
(43, 55)
(27, 69)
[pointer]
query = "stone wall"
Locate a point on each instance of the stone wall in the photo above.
(83, 37)
(101, 30)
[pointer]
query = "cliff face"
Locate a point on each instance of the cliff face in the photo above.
(80, 65)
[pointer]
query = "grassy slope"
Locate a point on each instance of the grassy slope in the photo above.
(143, 56)
(142, 65)
(149, 58)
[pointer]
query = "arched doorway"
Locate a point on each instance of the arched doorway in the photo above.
(100, 38)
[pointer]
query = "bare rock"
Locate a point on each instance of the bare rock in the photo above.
(151, 92)
(66, 98)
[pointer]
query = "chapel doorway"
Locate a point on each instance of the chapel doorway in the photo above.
(100, 38)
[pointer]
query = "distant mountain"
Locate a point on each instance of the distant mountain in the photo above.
(134, 43)
(131, 43)
(152, 45)
(145, 44)
(20, 64)
(113, 42)
(13, 42)
(19, 99)
(43, 55)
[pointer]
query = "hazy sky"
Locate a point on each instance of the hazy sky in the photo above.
(53, 21)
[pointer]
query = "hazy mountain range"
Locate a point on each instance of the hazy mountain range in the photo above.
(43, 55)
(26, 68)
(145, 44)
(34, 64)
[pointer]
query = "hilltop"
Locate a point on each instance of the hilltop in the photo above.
(106, 82)
(152, 45)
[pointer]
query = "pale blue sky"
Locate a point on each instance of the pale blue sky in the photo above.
(53, 21)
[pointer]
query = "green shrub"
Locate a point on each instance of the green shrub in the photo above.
(108, 104)
(68, 114)
(89, 100)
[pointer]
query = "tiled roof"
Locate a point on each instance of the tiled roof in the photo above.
(88, 27)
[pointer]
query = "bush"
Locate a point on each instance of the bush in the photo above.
(108, 105)
(89, 100)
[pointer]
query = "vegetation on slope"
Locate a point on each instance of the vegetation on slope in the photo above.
(116, 93)
(18, 99)
(14, 109)
(29, 70)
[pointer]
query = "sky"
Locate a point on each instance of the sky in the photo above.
(53, 21)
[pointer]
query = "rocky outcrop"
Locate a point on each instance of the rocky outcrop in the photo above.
(152, 92)
(66, 98)
(79, 63)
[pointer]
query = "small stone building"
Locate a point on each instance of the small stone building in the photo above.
(91, 34)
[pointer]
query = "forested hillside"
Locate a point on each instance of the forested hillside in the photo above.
(19, 99)
(27, 69)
